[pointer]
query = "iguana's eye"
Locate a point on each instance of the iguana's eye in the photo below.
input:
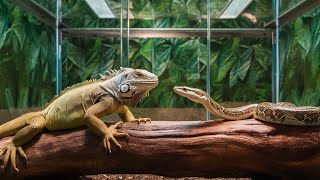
(124, 88)
(139, 74)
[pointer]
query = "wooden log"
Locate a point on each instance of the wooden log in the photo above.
(244, 148)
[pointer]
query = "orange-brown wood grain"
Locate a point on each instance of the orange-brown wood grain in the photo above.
(243, 148)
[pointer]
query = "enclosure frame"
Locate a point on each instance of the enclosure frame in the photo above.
(270, 30)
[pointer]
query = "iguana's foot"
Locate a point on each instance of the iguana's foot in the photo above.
(10, 150)
(141, 120)
(110, 133)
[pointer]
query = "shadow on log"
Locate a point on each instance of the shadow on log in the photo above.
(243, 148)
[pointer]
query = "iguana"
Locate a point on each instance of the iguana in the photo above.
(284, 113)
(83, 104)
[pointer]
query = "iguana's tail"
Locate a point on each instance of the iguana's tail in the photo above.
(12, 127)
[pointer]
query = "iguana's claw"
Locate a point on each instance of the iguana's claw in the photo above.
(142, 120)
(10, 150)
(110, 133)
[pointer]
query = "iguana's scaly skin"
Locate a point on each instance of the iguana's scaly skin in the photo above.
(83, 104)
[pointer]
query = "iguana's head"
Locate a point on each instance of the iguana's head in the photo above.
(194, 94)
(132, 85)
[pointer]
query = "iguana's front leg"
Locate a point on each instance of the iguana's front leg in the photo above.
(34, 125)
(99, 127)
(127, 116)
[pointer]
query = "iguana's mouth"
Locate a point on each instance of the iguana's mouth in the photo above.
(143, 82)
(145, 94)
(145, 86)
(140, 93)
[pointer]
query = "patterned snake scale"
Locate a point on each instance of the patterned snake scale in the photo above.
(281, 113)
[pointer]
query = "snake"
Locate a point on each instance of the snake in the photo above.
(285, 113)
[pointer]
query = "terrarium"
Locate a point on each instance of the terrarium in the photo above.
(237, 52)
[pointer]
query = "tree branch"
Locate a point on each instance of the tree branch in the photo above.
(178, 148)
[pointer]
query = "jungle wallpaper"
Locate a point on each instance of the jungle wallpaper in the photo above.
(240, 68)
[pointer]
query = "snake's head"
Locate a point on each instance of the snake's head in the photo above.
(194, 94)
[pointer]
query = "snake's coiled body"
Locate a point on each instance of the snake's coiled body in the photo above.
(280, 113)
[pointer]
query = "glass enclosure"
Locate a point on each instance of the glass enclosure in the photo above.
(233, 54)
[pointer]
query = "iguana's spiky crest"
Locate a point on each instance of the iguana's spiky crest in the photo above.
(108, 75)
(78, 85)
(70, 88)
(111, 73)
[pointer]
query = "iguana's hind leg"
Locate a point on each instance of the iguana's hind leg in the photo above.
(34, 125)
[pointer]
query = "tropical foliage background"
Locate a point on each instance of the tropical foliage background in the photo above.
(240, 68)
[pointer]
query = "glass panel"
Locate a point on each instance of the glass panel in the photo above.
(256, 15)
(50, 6)
(286, 5)
(234, 8)
(26, 66)
(100, 8)
(177, 62)
(125, 33)
(78, 14)
(300, 57)
(165, 14)
(240, 71)
(84, 59)
(168, 14)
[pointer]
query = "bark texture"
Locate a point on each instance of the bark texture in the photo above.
(243, 148)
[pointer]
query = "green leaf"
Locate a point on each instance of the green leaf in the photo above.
(3, 38)
(77, 56)
(203, 56)
(176, 73)
(146, 24)
(241, 67)
(161, 8)
(162, 61)
(142, 9)
(18, 27)
(226, 59)
(233, 78)
(44, 43)
(315, 30)
(303, 36)
(146, 50)
(262, 55)
(187, 55)
(33, 51)
(162, 23)
(244, 63)
(315, 48)
(3, 29)
(9, 99)
(193, 8)
(23, 97)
